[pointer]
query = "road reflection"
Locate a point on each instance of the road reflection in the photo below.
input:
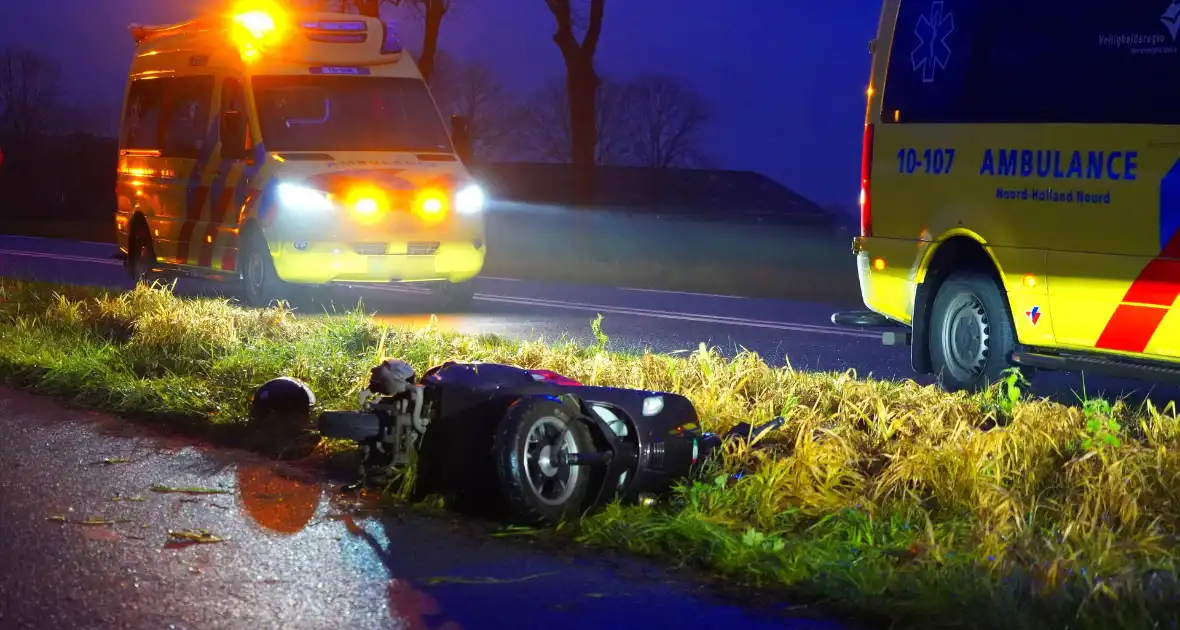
(277, 499)
(284, 501)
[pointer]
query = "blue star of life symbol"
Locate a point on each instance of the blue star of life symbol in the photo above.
(933, 51)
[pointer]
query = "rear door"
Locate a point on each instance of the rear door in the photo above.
(188, 145)
(163, 161)
(216, 232)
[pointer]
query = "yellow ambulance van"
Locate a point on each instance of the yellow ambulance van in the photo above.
(1020, 187)
(284, 150)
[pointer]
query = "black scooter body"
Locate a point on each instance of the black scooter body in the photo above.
(638, 454)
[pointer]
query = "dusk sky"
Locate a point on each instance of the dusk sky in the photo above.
(787, 77)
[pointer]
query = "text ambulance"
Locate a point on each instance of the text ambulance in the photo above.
(285, 150)
(1020, 187)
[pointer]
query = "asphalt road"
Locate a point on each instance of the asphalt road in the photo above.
(782, 332)
(87, 504)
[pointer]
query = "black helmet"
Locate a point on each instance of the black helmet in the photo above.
(285, 398)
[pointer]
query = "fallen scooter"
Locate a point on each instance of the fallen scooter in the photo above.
(532, 445)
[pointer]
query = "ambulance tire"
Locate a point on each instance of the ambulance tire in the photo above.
(971, 333)
(141, 253)
(261, 285)
(453, 295)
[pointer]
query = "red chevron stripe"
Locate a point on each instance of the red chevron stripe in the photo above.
(192, 214)
(229, 258)
(1152, 294)
(205, 258)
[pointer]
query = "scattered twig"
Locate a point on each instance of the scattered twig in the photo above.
(169, 490)
(93, 521)
(185, 537)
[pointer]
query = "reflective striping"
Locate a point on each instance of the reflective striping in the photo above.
(229, 258)
(220, 199)
(1157, 285)
(1155, 290)
(216, 221)
(246, 181)
(1131, 328)
(197, 193)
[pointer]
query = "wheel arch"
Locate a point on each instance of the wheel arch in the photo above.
(250, 226)
(956, 251)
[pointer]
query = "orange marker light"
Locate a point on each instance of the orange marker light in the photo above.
(368, 204)
(879, 264)
(1030, 281)
(431, 205)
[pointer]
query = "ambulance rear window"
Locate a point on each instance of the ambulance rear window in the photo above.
(1049, 61)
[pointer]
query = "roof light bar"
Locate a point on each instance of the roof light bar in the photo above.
(336, 31)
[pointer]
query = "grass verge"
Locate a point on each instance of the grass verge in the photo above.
(982, 511)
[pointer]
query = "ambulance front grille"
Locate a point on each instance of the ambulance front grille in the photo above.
(369, 249)
(421, 249)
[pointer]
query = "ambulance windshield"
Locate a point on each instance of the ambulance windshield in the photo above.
(346, 113)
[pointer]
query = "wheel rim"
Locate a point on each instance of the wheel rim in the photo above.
(965, 336)
(254, 272)
(547, 439)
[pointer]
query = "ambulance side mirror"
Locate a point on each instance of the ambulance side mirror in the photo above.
(461, 136)
(233, 136)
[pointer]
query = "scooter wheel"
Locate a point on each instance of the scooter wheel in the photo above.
(528, 442)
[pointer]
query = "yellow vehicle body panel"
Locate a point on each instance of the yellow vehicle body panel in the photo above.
(196, 201)
(1082, 220)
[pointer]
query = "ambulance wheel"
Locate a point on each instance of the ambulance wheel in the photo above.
(261, 285)
(529, 439)
(453, 295)
(141, 254)
(971, 333)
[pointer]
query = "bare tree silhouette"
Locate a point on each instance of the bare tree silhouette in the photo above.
(663, 122)
(29, 92)
(473, 89)
(582, 81)
(545, 128)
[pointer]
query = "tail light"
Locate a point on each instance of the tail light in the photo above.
(550, 376)
(866, 174)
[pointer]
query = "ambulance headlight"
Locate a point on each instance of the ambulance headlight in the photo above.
(470, 200)
(299, 197)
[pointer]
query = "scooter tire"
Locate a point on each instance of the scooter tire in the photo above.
(519, 472)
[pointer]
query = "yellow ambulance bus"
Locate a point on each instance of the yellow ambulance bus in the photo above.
(283, 151)
(1020, 187)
